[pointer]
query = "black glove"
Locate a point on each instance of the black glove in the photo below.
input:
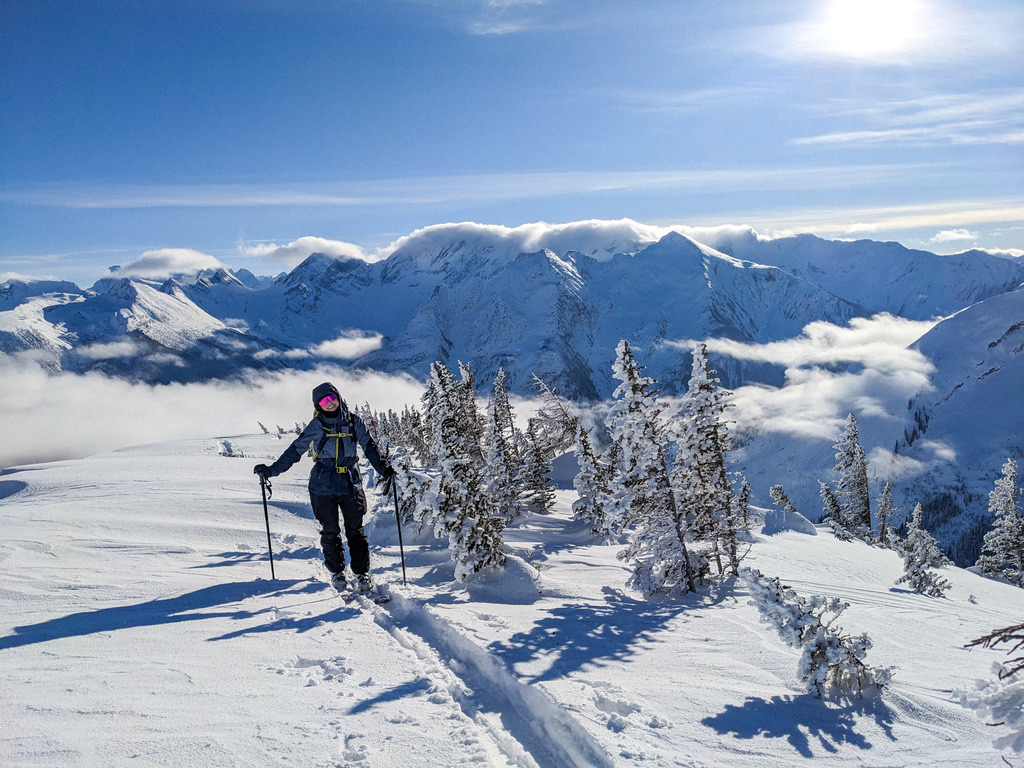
(387, 479)
(262, 470)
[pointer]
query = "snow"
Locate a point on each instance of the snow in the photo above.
(140, 625)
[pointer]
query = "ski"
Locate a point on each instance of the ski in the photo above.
(349, 597)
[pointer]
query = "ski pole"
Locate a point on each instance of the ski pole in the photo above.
(264, 484)
(398, 519)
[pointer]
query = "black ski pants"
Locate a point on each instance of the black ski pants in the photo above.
(352, 508)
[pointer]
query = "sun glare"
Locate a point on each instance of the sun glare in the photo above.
(872, 28)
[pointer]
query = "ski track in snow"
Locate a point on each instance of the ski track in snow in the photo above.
(138, 626)
(527, 726)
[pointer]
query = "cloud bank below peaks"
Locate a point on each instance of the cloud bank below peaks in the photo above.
(865, 368)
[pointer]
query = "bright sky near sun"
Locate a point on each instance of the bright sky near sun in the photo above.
(217, 127)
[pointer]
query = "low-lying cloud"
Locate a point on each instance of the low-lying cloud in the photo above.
(48, 416)
(349, 346)
(866, 368)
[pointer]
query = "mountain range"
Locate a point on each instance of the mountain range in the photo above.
(556, 308)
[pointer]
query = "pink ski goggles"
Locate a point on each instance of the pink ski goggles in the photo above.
(328, 401)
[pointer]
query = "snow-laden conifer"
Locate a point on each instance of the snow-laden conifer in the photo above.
(700, 472)
(538, 494)
(555, 425)
(1002, 552)
(639, 484)
(885, 510)
(920, 554)
(833, 513)
(466, 513)
(591, 483)
(778, 494)
(851, 488)
(641, 489)
(501, 463)
(743, 502)
(473, 425)
(831, 663)
(417, 492)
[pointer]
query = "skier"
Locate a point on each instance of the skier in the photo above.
(334, 482)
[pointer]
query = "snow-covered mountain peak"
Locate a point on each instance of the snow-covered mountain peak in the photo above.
(220, 276)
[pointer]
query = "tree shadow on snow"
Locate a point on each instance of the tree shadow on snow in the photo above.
(803, 721)
(193, 606)
(577, 634)
(234, 558)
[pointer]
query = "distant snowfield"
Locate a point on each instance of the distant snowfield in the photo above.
(139, 625)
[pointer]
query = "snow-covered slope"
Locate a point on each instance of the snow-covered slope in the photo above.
(887, 277)
(139, 625)
(959, 428)
(131, 329)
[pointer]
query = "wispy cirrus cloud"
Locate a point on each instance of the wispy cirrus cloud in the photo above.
(456, 188)
(935, 120)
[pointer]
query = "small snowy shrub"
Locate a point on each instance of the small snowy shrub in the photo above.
(1001, 701)
(831, 664)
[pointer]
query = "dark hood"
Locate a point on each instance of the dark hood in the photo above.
(321, 391)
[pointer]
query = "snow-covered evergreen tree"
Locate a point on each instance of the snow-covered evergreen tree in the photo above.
(538, 494)
(556, 425)
(639, 485)
(465, 512)
(852, 487)
(885, 510)
(501, 465)
(473, 424)
(743, 502)
(591, 483)
(1002, 552)
(641, 488)
(700, 472)
(831, 663)
(417, 492)
(920, 554)
(833, 513)
(778, 494)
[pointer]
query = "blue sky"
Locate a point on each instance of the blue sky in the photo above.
(128, 127)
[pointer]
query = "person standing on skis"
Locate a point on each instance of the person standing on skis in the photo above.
(334, 482)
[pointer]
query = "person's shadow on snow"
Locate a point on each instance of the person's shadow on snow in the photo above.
(799, 719)
(200, 605)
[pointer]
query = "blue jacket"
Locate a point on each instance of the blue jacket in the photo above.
(336, 465)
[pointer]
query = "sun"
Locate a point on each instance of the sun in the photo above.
(872, 28)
